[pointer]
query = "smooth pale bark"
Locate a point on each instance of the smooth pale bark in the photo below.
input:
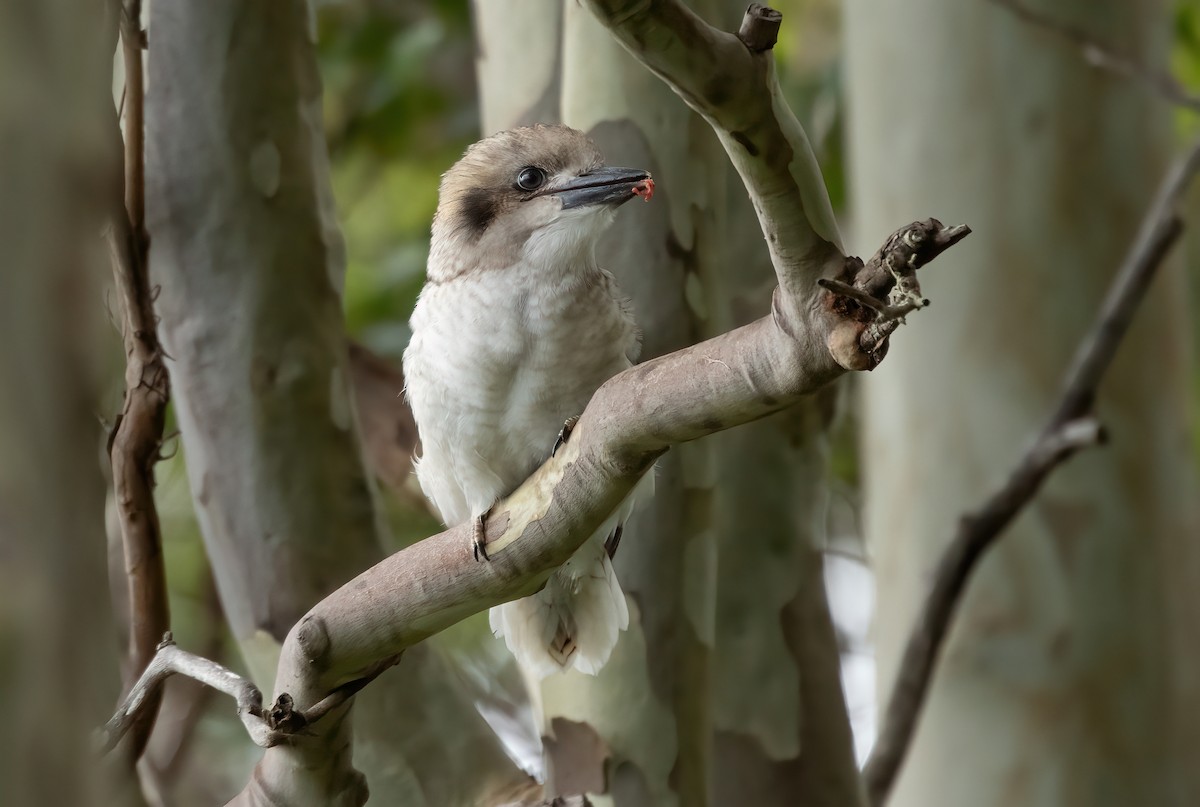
(248, 253)
(639, 732)
(518, 61)
(58, 654)
(1070, 677)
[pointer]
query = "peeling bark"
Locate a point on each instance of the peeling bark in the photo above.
(389, 434)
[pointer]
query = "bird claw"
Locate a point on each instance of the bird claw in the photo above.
(479, 536)
(613, 541)
(564, 433)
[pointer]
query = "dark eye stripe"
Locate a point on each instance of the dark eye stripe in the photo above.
(478, 211)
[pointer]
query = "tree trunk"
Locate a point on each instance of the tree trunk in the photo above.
(1069, 678)
(59, 165)
(247, 249)
(518, 61)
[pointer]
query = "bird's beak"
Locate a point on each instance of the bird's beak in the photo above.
(605, 186)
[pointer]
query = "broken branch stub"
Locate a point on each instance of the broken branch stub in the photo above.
(873, 298)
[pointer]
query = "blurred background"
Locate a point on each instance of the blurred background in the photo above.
(1071, 653)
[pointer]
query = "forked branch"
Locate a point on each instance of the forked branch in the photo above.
(266, 727)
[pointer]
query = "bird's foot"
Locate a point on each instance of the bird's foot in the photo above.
(479, 535)
(564, 433)
(613, 541)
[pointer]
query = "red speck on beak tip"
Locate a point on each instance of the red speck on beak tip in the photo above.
(644, 189)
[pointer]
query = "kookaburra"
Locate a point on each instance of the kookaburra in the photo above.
(515, 328)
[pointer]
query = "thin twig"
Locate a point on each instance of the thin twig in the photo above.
(135, 152)
(136, 438)
(1069, 428)
(266, 728)
(170, 660)
(1104, 57)
(885, 312)
(183, 706)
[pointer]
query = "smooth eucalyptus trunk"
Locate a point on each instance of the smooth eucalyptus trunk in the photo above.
(1070, 675)
(58, 649)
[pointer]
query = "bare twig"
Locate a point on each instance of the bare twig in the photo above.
(136, 437)
(1069, 428)
(1104, 57)
(170, 660)
(134, 91)
(185, 702)
(266, 728)
(881, 308)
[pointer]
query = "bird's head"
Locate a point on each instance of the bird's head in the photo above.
(540, 195)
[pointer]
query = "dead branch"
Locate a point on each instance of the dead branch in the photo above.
(1072, 426)
(266, 727)
(185, 703)
(169, 660)
(1101, 56)
(137, 436)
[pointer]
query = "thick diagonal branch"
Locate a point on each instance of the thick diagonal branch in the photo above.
(1069, 428)
(137, 436)
(732, 379)
(363, 627)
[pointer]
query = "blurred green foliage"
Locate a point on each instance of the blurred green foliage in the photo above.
(399, 109)
(1185, 66)
(1185, 59)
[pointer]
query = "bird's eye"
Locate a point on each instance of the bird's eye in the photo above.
(531, 178)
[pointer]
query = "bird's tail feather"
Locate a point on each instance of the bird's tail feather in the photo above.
(573, 622)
